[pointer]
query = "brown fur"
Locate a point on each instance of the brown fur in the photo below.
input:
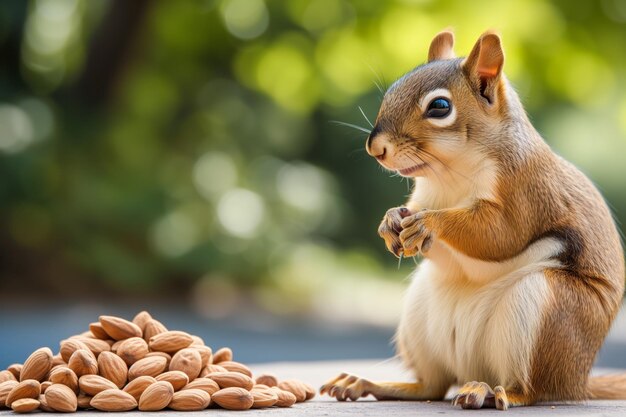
(606, 387)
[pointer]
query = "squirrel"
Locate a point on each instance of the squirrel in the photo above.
(523, 267)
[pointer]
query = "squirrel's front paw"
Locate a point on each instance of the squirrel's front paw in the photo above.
(390, 229)
(415, 236)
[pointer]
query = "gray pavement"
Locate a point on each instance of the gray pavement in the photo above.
(265, 340)
(316, 373)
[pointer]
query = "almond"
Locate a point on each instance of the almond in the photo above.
(58, 360)
(5, 389)
(236, 367)
(84, 400)
(152, 328)
(43, 404)
(25, 405)
(141, 319)
(113, 368)
(222, 355)
(310, 391)
(205, 353)
(167, 357)
(285, 398)
(197, 340)
(83, 362)
(60, 397)
(205, 384)
(96, 346)
(152, 366)
(132, 349)
(267, 379)
(232, 379)
(93, 384)
(98, 331)
(37, 365)
(15, 369)
(29, 388)
(264, 398)
(137, 386)
(233, 398)
(190, 400)
(44, 386)
(295, 387)
(7, 375)
(187, 360)
(113, 400)
(156, 397)
(210, 368)
(115, 345)
(178, 379)
(69, 346)
(86, 333)
(64, 375)
(170, 342)
(119, 328)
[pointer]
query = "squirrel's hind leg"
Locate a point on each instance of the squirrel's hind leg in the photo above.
(346, 386)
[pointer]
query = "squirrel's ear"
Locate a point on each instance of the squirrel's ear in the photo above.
(441, 46)
(484, 64)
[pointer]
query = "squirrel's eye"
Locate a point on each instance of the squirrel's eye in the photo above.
(438, 108)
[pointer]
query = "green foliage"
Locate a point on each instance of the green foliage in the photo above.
(211, 153)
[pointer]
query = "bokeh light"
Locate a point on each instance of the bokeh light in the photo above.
(245, 19)
(16, 129)
(241, 212)
(214, 173)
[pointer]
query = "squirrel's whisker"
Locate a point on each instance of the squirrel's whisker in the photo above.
(379, 82)
(366, 119)
(357, 127)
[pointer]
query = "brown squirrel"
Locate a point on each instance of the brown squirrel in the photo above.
(523, 268)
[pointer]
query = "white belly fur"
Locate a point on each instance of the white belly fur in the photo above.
(469, 320)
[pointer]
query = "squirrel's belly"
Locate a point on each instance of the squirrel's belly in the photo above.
(453, 326)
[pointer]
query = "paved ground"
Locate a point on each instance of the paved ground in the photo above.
(317, 372)
(268, 340)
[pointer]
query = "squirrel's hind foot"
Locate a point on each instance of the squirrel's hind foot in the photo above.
(475, 395)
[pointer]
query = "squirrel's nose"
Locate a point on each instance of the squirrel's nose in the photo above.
(378, 148)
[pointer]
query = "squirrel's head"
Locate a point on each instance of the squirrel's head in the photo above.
(436, 113)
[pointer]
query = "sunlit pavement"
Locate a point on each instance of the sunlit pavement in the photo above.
(316, 373)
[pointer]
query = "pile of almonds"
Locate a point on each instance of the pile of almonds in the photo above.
(119, 365)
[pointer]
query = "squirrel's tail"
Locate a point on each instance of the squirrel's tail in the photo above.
(607, 387)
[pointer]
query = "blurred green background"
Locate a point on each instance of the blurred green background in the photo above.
(185, 151)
